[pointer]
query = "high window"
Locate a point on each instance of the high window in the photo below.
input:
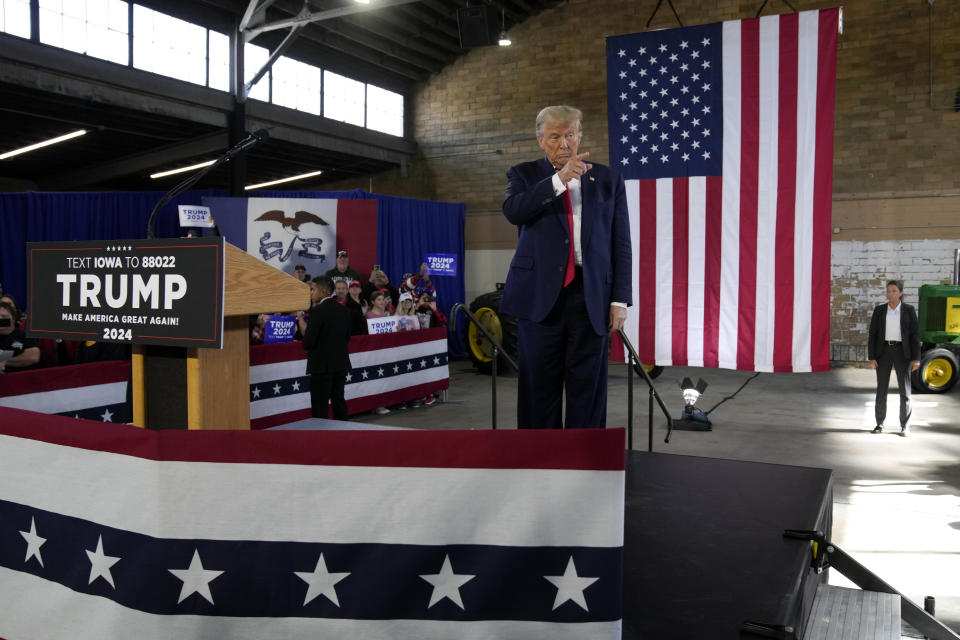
(169, 46)
(296, 85)
(384, 110)
(15, 17)
(98, 28)
(344, 99)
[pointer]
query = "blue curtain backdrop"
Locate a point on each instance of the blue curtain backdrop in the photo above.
(407, 229)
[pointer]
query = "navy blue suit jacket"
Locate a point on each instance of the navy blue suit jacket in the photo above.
(538, 267)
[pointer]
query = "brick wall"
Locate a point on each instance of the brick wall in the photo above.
(897, 157)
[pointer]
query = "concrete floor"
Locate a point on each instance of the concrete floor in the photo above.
(896, 500)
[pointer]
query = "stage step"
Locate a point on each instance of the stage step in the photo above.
(852, 614)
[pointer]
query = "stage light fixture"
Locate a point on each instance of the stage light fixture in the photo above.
(45, 143)
(171, 172)
(289, 179)
(692, 417)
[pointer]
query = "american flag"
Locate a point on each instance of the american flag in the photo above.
(110, 531)
(724, 135)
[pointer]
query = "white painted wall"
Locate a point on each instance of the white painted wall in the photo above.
(484, 269)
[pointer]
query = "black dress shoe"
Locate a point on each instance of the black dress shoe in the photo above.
(878, 429)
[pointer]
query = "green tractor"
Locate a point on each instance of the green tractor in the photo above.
(503, 327)
(939, 338)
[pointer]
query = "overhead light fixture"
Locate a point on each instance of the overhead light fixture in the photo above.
(504, 40)
(362, 1)
(290, 179)
(164, 174)
(40, 145)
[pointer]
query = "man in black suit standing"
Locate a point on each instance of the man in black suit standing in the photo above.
(326, 338)
(570, 280)
(894, 342)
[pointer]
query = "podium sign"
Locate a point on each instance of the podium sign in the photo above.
(156, 291)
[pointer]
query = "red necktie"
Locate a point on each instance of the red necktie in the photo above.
(568, 276)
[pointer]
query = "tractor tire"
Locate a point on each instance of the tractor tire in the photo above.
(938, 371)
(501, 326)
(653, 370)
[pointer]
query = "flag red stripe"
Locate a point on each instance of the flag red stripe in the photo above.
(712, 266)
(589, 449)
(356, 221)
(749, 177)
(65, 377)
(646, 269)
(681, 237)
(823, 190)
(786, 195)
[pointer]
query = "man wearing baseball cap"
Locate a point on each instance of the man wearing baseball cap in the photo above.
(342, 271)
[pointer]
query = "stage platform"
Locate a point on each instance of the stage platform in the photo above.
(704, 546)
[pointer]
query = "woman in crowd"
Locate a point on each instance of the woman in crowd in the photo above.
(430, 316)
(25, 351)
(408, 315)
(355, 291)
(378, 305)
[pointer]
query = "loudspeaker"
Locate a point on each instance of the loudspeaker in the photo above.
(478, 26)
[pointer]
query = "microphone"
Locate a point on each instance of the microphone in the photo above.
(251, 140)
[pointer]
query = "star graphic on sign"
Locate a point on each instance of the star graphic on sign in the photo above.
(349, 377)
(107, 415)
(436, 360)
(705, 42)
(706, 132)
(706, 109)
(633, 149)
(643, 116)
(674, 146)
(694, 54)
(570, 586)
(621, 53)
(706, 155)
(673, 57)
(100, 564)
(256, 392)
(321, 582)
(633, 106)
(296, 385)
(623, 118)
(34, 542)
(396, 368)
(643, 160)
(686, 157)
(684, 89)
(653, 59)
(196, 579)
(423, 363)
(695, 144)
(684, 45)
(446, 584)
(623, 96)
(633, 83)
(663, 92)
(623, 74)
(624, 140)
(674, 124)
(625, 161)
(380, 371)
(365, 374)
(276, 389)
(674, 79)
(663, 158)
(409, 366)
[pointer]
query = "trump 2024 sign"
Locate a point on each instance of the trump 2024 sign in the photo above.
(156, 291)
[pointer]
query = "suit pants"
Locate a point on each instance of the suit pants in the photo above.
(562, 353)
(892, 356)
(328, 388)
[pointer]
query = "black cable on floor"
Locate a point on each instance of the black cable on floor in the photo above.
(733, 394)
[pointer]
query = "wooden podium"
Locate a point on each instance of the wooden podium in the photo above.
(177, 387)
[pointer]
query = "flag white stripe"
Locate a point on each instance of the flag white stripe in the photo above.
(281, 404)
(730, 242)
(632, 324)
(405, 352)
(808, 36)
(320, 503)
(73, 399)
(26, 599)
(767, 183)
(664, 337)
(696, 265)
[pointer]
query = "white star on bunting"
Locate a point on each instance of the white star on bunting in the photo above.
(196, 579)
(446, 584)
(34, 542)
(321, 582)
(100, 564)
(570, 586)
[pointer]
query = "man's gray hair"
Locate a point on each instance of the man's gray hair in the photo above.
(558, 113)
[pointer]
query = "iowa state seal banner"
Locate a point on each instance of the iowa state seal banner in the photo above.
(156, 291)
(109, 531)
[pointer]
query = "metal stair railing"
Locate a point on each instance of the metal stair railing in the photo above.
(634, 364)
(497, 350)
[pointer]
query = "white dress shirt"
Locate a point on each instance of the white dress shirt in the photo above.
(892, 333)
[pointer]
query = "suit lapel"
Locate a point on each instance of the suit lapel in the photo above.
(546, 171)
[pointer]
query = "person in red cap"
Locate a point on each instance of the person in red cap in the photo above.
(342, 271)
